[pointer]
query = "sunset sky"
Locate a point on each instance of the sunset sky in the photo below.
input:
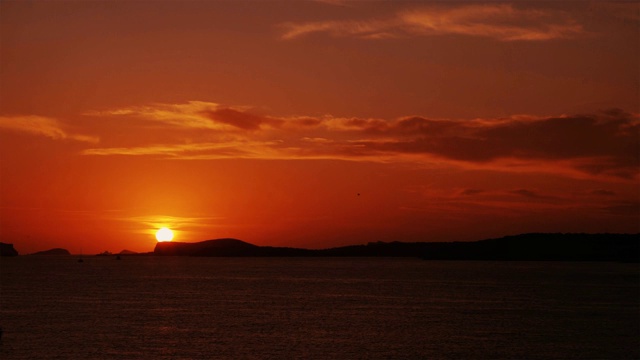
(315, 123)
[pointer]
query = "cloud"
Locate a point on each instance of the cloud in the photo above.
(471, 192)
(42, 126)
(368, 29)
(603, 192)
(175, 222)
(194, 115)
(502, 22)
(189, 115)
(604, 144)
(240, 119)
(212, 150)
(623, 208)
(499, 21)
(531, 194)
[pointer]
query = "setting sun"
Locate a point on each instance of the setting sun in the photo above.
(164, 234)
(371, 99)
(409, 166)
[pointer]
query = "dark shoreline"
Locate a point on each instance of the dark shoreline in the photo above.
(526, 247)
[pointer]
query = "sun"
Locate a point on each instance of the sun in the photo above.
(164, 234)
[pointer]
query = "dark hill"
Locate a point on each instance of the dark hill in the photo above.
(127, 252)
(225, 247)
(7, 250)
(56, 251)
(219, 247)
(542, 247)
(527, 247)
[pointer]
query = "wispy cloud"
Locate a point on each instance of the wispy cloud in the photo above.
(600, 144)
(503, 22)
(534, 195)
(471, 192)
(603, 192)
(210, 150)
(604, 144)
(194, 115)
(623, 208)
(180, 225)
(462, 202)
(188, 115)
(175, 222)
(42, 126)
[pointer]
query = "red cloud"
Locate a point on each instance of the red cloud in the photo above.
(503, 22)
(601, 144)
(604, 143)
(239, 119)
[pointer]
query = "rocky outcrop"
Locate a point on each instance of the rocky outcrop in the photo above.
(56, 251)
(225, 247)
(7, 250)
(127, 252)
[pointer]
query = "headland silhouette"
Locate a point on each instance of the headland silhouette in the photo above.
(524, 247)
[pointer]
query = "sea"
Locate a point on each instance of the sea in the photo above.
(145, 307)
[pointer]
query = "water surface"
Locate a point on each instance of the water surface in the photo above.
(315, 308)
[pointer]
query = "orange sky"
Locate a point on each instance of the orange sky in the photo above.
(264, 120)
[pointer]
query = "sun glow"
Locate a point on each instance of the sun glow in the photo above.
(164, 234)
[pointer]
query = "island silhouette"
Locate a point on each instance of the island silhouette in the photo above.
(55, 251)
(524, 247)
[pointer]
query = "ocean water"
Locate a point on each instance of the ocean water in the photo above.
(316, 308)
